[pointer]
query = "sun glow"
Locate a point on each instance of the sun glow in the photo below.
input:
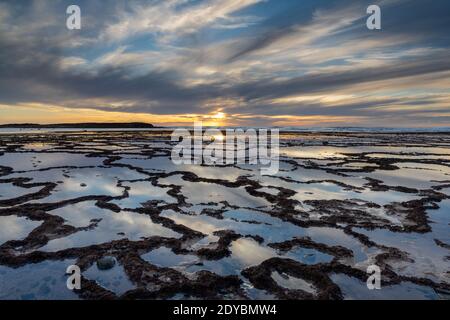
(219, 137)
(219, 116)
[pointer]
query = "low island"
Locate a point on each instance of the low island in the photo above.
(85, 125)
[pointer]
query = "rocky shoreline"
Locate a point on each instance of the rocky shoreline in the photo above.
(333, 193)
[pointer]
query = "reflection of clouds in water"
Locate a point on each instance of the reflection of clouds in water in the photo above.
(293, 283)
(201, 192)
(136, 225)
(270, 228)
(305, 175)
(225, 173)
(164, 257)
(79, 214)
(114, 279)
(141, 192)
(34, 160)
(336, 237)
(355, 289)
(413, 175)
(166, 164)
(440, 220)
(429, 259)
(245, 252)
(330, 191)
(84, 182)
(203, 224)
(16, 228)
(308, 256)
(249, 252)
(38, 146)
(90, 174)
(132, 224)
(10, 191)
(45, 281)
(313, 152)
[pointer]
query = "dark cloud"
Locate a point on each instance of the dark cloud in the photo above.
(39, 78)
(324, 82)
(30, 67)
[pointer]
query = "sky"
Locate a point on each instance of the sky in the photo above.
(258, 63)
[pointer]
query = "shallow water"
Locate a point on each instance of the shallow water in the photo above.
(112, 226)
(16, 228)
(308, 256)
(430, 260)
(239, 259)
(293, 283)
(85, 182)
(10, 191)
(142, 192)
(146, 202)
(114, 279)
(354, 289)
(36, 161)
(45, 281)
(244, 222)
(165, 258)
(412, 177)
(203, 192)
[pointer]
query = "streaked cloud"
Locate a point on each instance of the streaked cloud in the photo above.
(175, 17)
(257, 62)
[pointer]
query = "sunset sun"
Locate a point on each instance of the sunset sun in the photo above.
(219, 116)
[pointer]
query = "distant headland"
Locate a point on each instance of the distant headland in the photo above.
(83, 125)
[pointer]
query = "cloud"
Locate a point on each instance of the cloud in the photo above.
(172, 16)
(196, 57)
